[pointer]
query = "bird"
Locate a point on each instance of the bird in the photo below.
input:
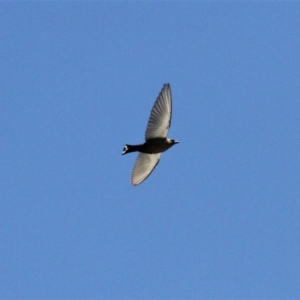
(156, 140)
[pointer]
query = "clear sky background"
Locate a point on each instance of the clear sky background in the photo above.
(219, 218)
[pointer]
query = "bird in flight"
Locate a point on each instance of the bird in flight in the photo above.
(156, 137)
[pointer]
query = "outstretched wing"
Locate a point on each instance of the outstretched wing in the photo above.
(144, 165)
(161, 113)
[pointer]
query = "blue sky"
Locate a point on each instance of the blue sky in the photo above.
(219, 216)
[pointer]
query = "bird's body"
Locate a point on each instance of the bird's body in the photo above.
(156, 137)
(152, 146)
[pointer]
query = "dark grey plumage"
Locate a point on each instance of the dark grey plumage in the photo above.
(155, 136)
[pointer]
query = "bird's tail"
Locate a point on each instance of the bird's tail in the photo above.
(130, 148)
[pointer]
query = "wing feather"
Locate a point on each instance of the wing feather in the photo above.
(161, 114)
(144, 165)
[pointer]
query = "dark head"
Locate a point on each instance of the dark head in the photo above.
(131, 148)
(125, 150)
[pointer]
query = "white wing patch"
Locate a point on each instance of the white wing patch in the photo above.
(161, 113)
(144, 165)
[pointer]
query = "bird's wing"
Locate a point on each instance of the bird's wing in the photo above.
(144, 165)
(161, 113)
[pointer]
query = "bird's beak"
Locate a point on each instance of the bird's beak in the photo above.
(176, 142)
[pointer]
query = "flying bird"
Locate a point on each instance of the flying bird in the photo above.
(156, 137)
